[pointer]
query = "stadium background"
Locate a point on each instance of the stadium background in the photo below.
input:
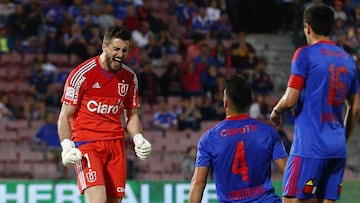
(262, 21)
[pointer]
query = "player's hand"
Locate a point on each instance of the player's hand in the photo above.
(142, 146)
(70, 155)
(276, 117)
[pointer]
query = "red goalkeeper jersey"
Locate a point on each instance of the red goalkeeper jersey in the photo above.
(99, 97)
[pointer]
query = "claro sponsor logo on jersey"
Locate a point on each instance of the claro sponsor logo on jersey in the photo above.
(236, 131)
(103, 108)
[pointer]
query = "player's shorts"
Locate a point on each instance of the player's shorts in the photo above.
(103, 163)
(306, 178)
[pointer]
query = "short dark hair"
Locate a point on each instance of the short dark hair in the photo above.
(116, 31)
(321, 19)
(239, 93)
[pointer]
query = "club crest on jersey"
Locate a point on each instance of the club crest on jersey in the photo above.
(122, 88)
(91, 176)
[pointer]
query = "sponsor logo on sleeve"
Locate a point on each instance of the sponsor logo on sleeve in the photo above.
(69, 93)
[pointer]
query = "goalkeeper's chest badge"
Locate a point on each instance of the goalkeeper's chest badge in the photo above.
(91, 176)
(123, 88)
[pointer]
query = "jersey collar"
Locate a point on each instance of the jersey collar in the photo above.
(237, 117)
(324, 41)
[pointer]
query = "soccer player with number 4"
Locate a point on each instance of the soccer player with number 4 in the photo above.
(240, 150)
(323, 81)
(89, 126)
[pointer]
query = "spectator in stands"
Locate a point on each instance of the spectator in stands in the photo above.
(131, 20)
(240, 50)
(259, 109)
(33, 13)
(341, 41)
(204, 104)
(171, 80)
(148, 83)
(105, 16)
(188, 115)
(92, 36)
(154, 51)
(54, 13)
(189, 11)
(157, 24)
(46, 138)
(7, 7)
(168, 41)
(213, 11)
(193, 49)
(145, 10)
(133, 57)
(75, 42)
(221, 54)
(218, 106)
(201, 24)
(86, 18)
(208, 79)
(52, 43)
(188, 163)
(74, 11)
(262, 82)
(164, 119)
(222, 28)
(7, 44)
(141, 36)
(121, 9)
(31, 109)
(7, 110)
(16, 24)
(204, 58)
(191, 79)
(39, 81)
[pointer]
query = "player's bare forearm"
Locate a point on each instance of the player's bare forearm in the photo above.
(198, 183)
(64, 129)
(281, 163)
(352, 114)
(133, 124)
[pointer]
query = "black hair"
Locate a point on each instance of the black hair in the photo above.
(239, 93)
(115, 31)
(321, 19)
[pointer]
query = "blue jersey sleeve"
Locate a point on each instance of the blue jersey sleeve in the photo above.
(299, 63)
(203, 157)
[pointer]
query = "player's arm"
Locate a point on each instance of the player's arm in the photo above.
(70, 155)
(134, 128)
(352, 114)
(198, 183)
(286, 102)
(281, 163)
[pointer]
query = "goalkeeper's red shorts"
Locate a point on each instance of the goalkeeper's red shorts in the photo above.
(103, 163)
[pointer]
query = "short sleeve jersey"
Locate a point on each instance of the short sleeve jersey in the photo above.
(99, 97)
(240, 150)
(329, 76)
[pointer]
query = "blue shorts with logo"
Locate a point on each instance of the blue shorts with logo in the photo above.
(306, 178)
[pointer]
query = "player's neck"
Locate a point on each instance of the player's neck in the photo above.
(235, 114)
(102, 62)
(318, 38)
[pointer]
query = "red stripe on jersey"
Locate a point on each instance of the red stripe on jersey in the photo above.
(296, 54)
(296, 82)
(294, 176)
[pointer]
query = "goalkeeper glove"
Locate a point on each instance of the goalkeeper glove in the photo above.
(70, 155)
(142, 146)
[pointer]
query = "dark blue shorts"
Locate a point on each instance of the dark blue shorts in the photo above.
(306, 178)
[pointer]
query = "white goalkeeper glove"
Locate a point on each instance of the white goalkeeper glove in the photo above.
(142, 146)
(70, 155)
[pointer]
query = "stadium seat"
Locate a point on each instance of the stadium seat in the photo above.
(10, 59)
(48, 171)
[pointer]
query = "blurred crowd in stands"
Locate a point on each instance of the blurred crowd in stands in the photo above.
(182, 50)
